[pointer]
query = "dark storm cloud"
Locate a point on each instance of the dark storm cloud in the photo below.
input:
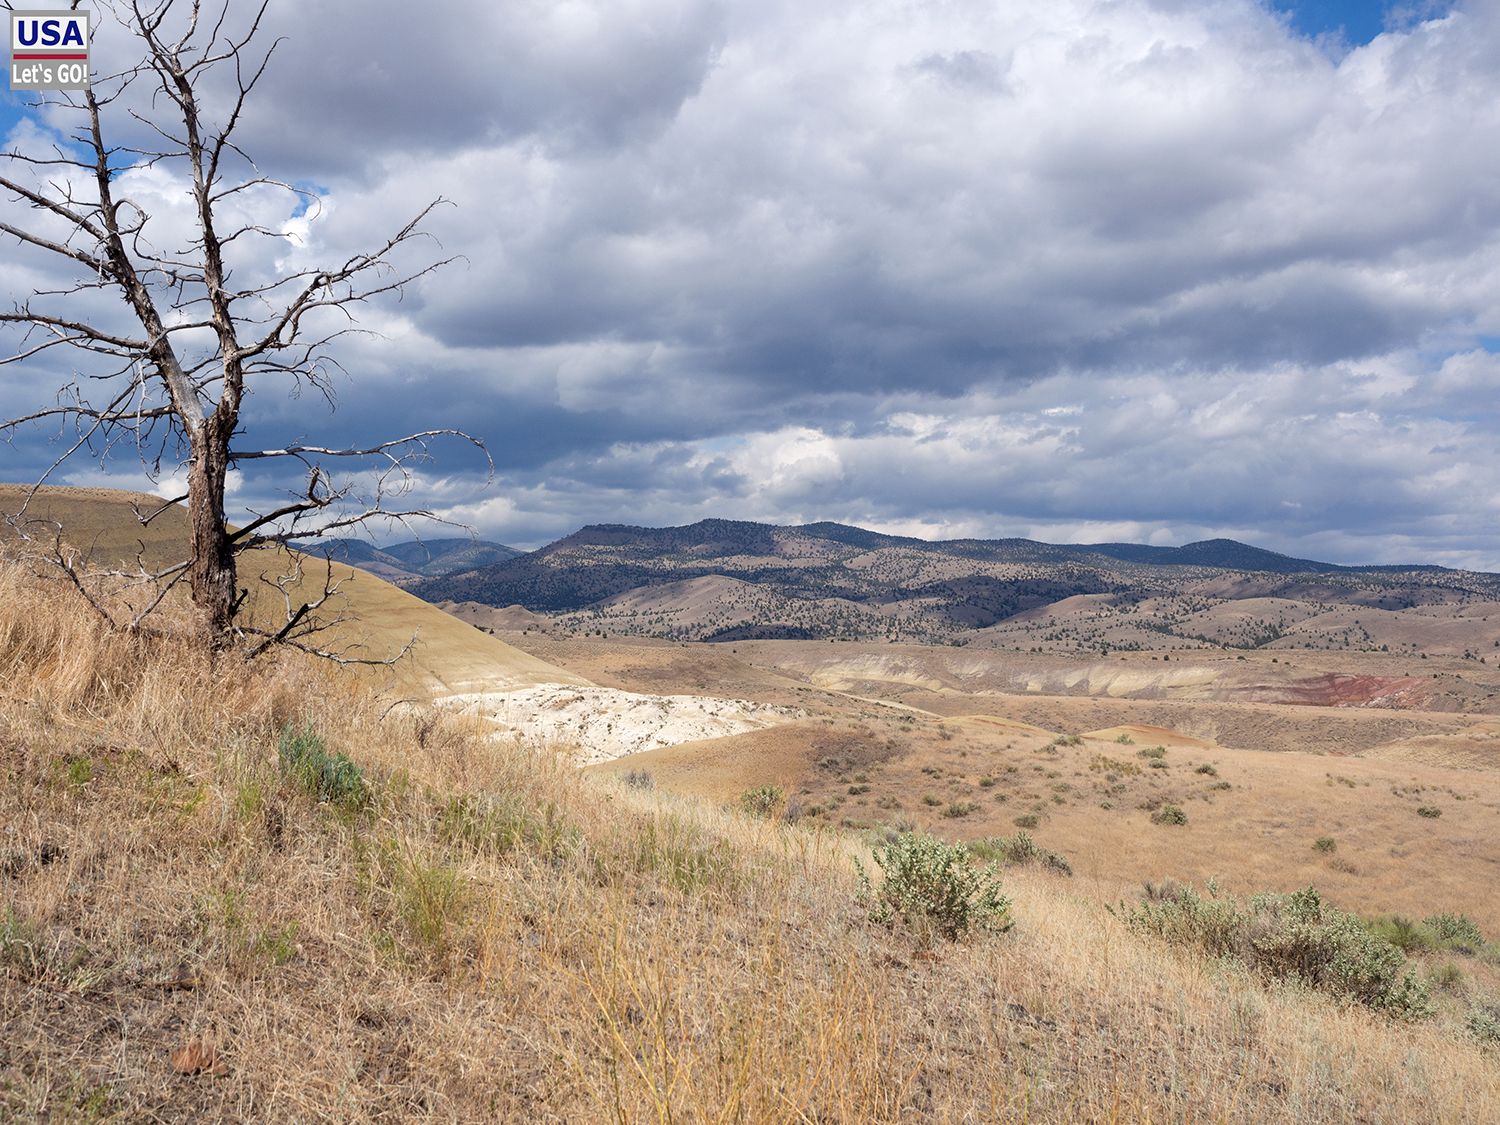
(428, 78)
(1111, 270)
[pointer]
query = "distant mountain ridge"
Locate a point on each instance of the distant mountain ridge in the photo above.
(405, 563)
(830, 580)
(1229, 554)
(746, 536)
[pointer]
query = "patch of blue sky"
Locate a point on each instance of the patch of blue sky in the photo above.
(309, 196)
(1353, 23)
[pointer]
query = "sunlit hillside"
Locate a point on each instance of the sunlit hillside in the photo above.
(260, 893)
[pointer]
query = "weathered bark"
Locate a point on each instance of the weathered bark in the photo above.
(212, 576)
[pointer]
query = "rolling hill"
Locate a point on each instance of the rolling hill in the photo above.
(378, 619)
(725, 580)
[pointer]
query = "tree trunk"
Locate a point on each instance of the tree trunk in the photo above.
(212, 574)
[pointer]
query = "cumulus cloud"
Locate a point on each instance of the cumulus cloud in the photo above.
(1067, 268)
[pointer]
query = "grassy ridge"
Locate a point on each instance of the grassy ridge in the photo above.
(189, 931)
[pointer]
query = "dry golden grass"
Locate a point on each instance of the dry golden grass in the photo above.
(447, 655)
(187, 935)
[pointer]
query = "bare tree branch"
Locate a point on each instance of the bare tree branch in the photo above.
(173, 384)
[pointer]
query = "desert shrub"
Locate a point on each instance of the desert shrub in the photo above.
(1447, 977)
(1484, 1022)
(1180, 916)
(1155, 752)
(1208, 768)
(1455, 931)
(960, 809)
(1103, 763)
(1221, 785)
(763, 800)
(333, 778)
(1169, 814)
(638, 779)
(931, 886)
(1333, 951)
(1125, 740)
(1020, 850)
(986, 783)
(1431, 812)
(1027, 820)
(1325, 844)
(1296, 937)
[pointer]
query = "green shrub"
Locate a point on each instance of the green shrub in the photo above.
(763, 801)
(1403, 933)
(1457, 932)
(1020, 850)
(1028, 820)
(333, 778)
(1484, 1023)
(960, 809)
(1208, 768)
(932, 886)
(1169, 814)
(1103, 763)
(1325, 844)
(1180, 916)
(1156, 752)
(1125, 740)
(1448, 977)
(1294, 937)
(1431, 812)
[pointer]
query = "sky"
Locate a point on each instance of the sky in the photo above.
(1077, 270)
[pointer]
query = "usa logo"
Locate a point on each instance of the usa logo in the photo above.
(49, 50)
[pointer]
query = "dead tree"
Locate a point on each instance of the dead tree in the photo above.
(167, 334)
